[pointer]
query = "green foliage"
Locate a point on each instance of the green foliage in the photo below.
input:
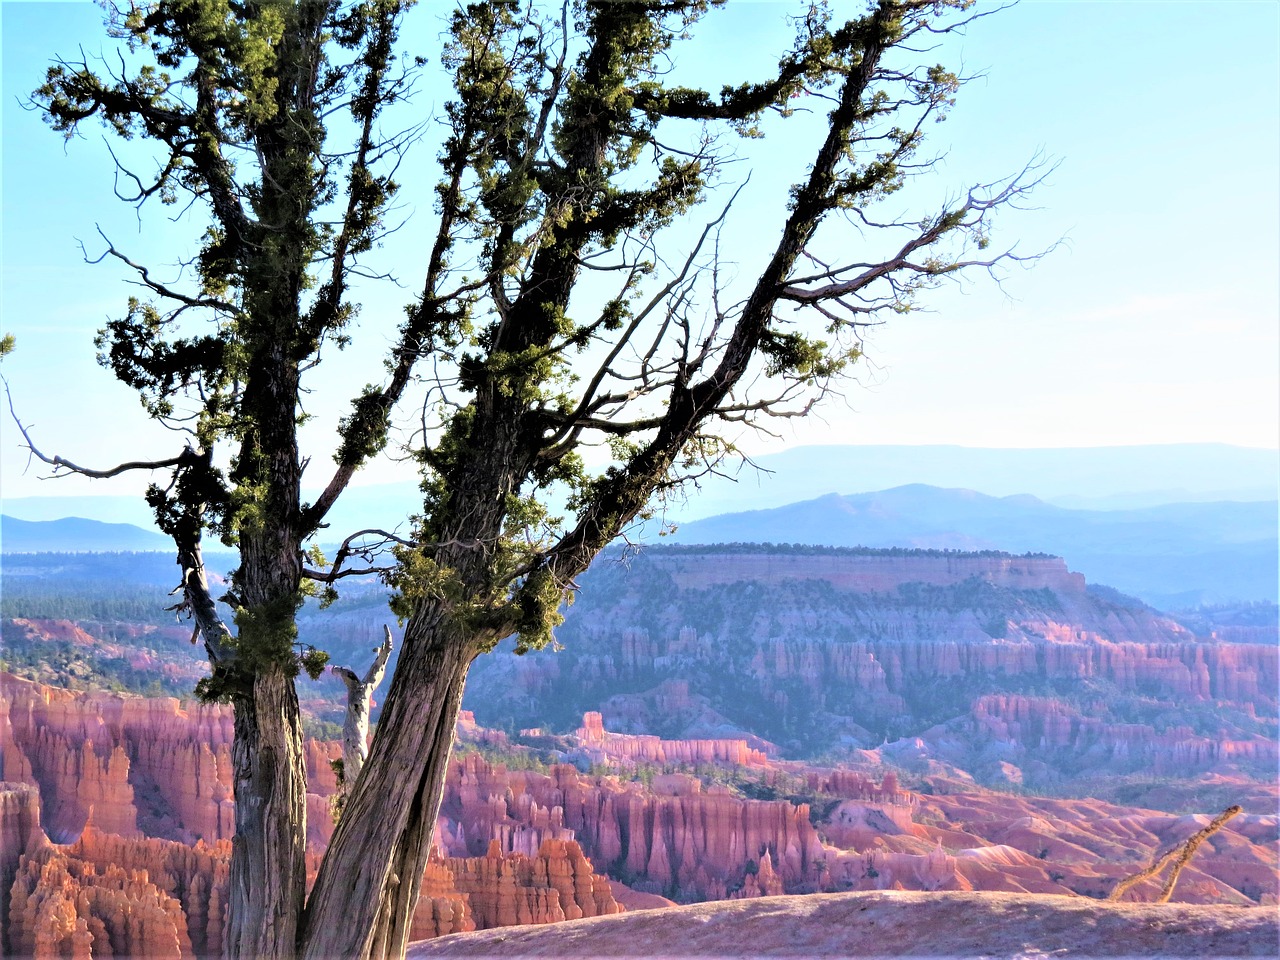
(207, 85)
(317, 728)
(808, 359)
(364, 430)
(314, 661)
(559, 148)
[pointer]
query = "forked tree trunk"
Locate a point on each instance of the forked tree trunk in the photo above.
(362, 904)
(268, 862)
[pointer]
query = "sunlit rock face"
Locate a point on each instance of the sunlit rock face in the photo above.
(670, 837)
(105, 889)
(160, 767)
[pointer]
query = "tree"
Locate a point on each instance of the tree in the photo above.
(552, 317)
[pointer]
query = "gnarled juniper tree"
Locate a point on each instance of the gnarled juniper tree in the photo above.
(553, 314)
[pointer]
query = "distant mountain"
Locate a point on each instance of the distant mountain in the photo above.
(1080, 477)
(104, 509)
(384, 506)
(1175, 555)
(1096, 477)
(76, 535)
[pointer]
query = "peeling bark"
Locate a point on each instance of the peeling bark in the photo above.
(268, 865)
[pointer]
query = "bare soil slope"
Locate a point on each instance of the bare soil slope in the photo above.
(890, 924)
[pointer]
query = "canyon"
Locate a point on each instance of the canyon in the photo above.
(720, 724)
(114, 817)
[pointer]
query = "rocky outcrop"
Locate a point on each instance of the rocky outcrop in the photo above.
(672, 839)
(20, 835)
(557, 884)
(441, 908)
(521, 843)
(1040, 726)
(63, 907)
(105, 895)
(108, 887)
(601, 746)
(195, 877)
(48, 739)
(826, 661)
(154, 766)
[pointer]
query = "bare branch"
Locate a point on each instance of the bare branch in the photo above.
(160, 288)
(355, 726)
(61, 463)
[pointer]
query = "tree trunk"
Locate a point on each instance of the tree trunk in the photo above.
(363, 900)
(268, 862)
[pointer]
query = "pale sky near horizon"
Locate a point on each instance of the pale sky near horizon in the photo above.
(1158, 321)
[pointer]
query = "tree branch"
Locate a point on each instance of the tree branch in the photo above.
(61, 463)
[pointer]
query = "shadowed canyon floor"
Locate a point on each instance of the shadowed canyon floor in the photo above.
(890, 924)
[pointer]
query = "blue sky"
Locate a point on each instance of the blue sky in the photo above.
(1156, 322)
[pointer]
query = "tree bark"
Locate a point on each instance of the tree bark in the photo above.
(268, 863)
(364, 896)
(268, 859)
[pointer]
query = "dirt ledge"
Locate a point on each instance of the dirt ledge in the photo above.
(890, 924)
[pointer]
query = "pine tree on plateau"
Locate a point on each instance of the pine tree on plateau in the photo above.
(560, 306)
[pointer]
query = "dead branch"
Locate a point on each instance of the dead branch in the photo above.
(155, 286)
(355, 725)
(1179, 856)
(187, 456)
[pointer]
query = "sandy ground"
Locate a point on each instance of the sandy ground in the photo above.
(890, 924)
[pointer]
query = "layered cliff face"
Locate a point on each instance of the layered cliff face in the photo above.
(557, 883)
(159, 767)
(828, 651)
(20, 835)
(63, 907)
(865, 571)
(1031, 726)
(112, 768)
(598, 745)
(678, 838)
(105, 895)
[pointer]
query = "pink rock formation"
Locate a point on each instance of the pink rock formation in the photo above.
(63, 906)
(518, 842)
(46, 739)
(507, 889)
(605, 747)
(441, 908)
(691, 843)
(20, 835)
